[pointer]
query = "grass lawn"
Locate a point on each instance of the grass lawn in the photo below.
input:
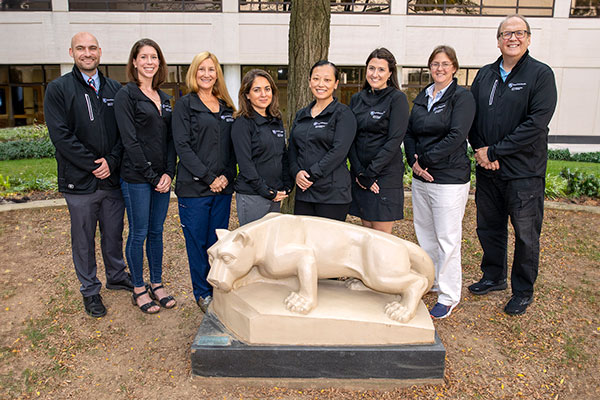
(28, 169)
(555, 166)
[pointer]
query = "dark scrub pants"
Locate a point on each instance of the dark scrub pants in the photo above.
(523, 201)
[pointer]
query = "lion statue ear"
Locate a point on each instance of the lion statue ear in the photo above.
(244, 238)
(221, 233)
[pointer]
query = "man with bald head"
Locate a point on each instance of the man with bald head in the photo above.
(515, 97)
(79, 112)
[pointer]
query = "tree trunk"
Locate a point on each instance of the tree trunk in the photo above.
(308, 43)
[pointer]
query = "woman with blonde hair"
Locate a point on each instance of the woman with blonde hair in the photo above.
(202, 122)
(259, 143)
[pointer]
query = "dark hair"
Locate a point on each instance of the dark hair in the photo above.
(321, 63)
(522, 18)
(243, 101)
(161, 74)
(384, 54)
(447, 50)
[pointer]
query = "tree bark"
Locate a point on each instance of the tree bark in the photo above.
(308, 43)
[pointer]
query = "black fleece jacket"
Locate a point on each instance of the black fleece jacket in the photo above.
(439, 136)
(320, 147)
(260, 150)
(512, 117)
(83, 128)
(203, 143)
(149, 151)
(376, 153)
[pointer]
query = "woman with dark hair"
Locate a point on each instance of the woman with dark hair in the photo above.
(143, 113)
(202, 122)
(377, 168)
(436, 149)
(259, 142)
(320, 138)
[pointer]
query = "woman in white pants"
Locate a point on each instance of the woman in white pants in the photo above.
(436, 149)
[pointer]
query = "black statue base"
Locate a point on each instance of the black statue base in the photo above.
(217, 353)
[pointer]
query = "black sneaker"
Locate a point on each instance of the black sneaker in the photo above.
(93, 306)
(124, 284)
(486, 285)
(517, 304)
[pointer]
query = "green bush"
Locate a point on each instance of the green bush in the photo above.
(565, 155)
(580, 184)
(23, 148)
(556, 187)
(31, 132)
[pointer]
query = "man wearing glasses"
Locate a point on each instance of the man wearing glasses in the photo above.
(515, 97)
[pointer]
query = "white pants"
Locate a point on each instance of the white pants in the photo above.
(438, 212)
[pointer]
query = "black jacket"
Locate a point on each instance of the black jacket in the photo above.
(320, 147)
(261, 154)
(512, 117)
(439, 136)
(376, 154)
(146, 136)
(203, 143)
(83, 128)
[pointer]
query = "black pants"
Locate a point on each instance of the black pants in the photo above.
(331, 211)
(523, 201)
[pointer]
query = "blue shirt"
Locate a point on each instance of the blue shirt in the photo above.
(95, 78)
(430, 100)
(503, 73)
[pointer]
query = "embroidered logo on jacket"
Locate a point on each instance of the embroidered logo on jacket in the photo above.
(517, 86)
(320, 125)
(108, 102)
(438, 109)
(278, 132)
(377, 114)
(227, 118)
(167, 107)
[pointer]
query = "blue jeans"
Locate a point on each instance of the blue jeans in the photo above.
(146, 213)
(200, 218)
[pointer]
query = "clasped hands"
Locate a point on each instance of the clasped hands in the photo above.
(483, 161)
(219, 184)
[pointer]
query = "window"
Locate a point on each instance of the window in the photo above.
(147, 5)
(528, 8)
(337, 6)
(26, 5)
(585, 8)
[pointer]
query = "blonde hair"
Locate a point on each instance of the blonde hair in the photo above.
(219, 89)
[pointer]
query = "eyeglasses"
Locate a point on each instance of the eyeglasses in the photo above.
(520, 34)
(436, 65)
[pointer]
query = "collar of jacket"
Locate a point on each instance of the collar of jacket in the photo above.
(77, 74)
(137, 93)
(496, 65)
(305, 112)
(259, 119)
(421, 99)
(372, 97)
(197, 105)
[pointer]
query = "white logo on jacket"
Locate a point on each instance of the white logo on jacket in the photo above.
(377, 114)
(320, 125)
(517, 86)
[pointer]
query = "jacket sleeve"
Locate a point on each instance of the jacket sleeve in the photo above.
(410, 140)
(181, 127)
(293, 153)
(463, 112)
(355, 165)
(345, 130)
(474, 136)
(396, 132)
(241, 136)
(65, 141)
(541, 107)
(125, 115)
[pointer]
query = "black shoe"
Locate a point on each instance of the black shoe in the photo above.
(93, 306)
(124, 284)
(517, 304)
(486, 285)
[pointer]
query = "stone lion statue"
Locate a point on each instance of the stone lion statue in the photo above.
(281, 246)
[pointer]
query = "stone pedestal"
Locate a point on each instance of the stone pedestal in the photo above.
(249, 333)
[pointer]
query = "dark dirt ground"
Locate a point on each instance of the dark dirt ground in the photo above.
(50, 349)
